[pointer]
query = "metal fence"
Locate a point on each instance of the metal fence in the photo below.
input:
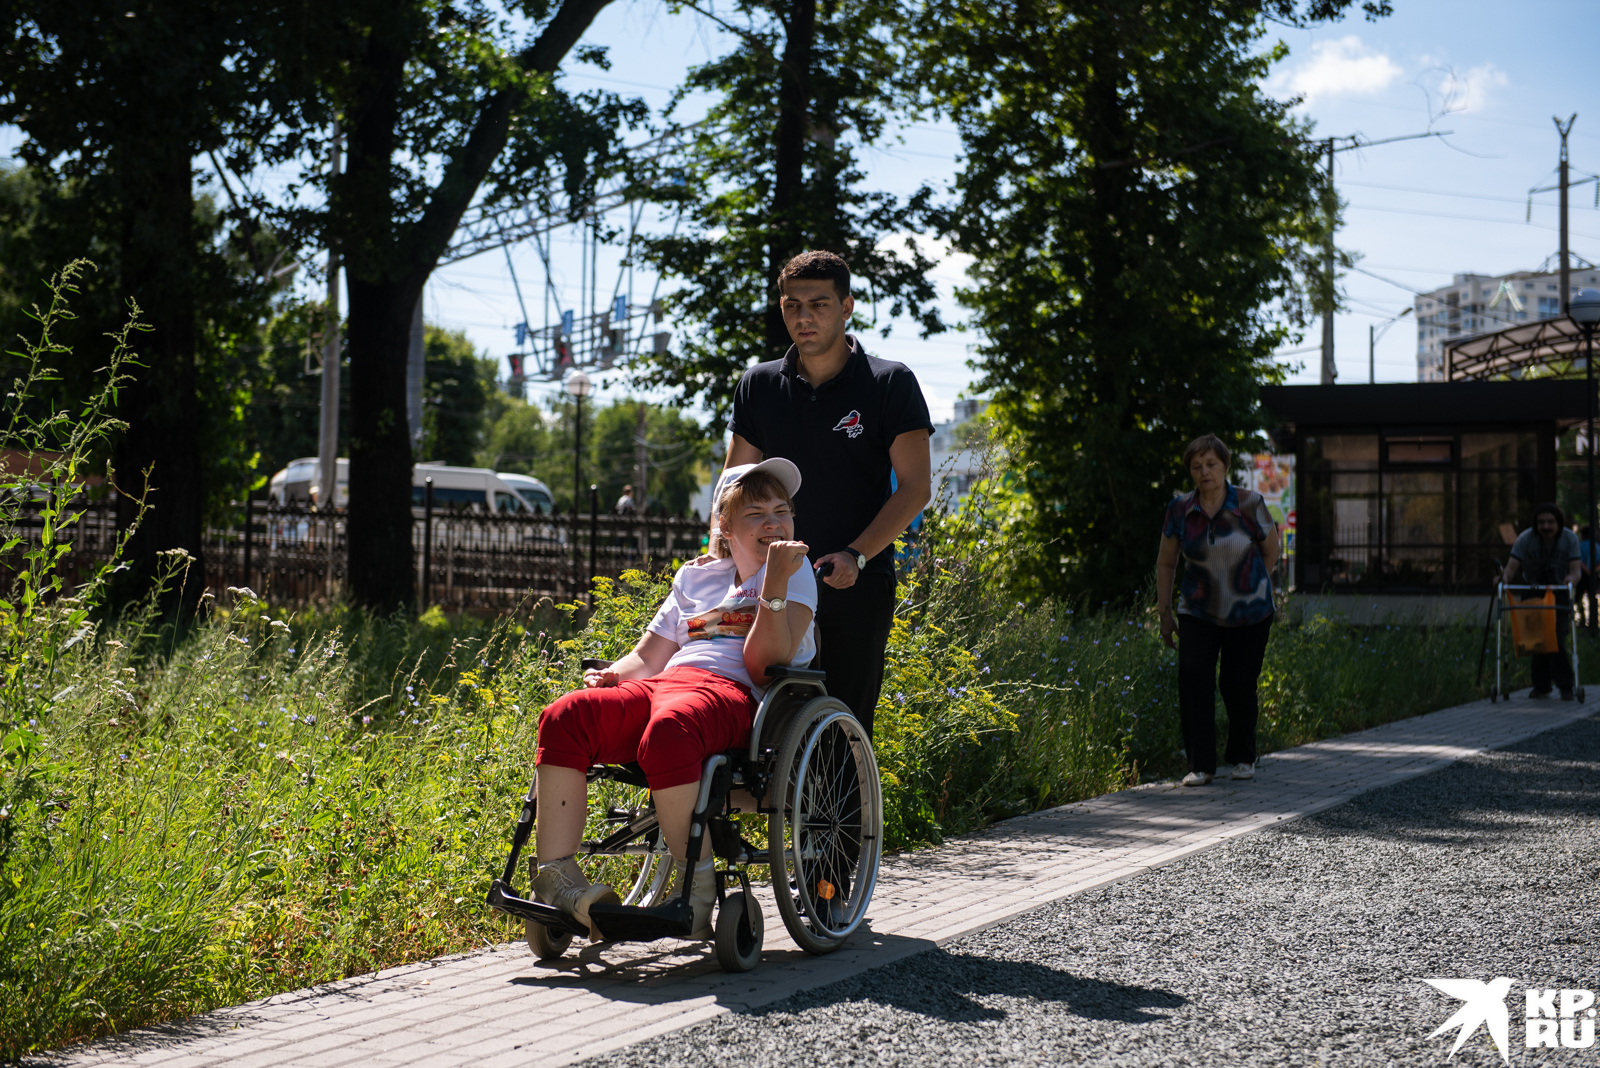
(465, 560)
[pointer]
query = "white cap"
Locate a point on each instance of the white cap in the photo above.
(787, 474)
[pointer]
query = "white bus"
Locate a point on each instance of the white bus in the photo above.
(473, 487)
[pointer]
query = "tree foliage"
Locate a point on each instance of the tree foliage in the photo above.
(1138, 213)
(457, 385)
(773, 171)
(443, 104)
(115, 103)
(538, 441)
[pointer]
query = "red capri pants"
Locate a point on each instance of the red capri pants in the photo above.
(669, 724)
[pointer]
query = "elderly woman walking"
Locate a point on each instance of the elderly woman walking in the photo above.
(1230, 545)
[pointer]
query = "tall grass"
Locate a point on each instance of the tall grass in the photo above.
(271, 800)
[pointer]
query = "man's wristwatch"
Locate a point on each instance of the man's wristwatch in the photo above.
(777, 604)
(860, 558)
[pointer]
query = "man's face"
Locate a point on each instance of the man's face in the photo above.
(814, 314)
(1546, 525)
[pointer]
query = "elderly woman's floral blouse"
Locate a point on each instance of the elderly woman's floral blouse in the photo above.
(1225, 579)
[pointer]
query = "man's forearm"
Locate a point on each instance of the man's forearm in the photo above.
(894, 517)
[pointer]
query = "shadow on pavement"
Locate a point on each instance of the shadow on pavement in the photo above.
(956, 987)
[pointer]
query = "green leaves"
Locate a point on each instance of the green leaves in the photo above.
(773, 171)
(1137, 211)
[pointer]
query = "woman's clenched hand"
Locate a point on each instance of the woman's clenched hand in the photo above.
(784, 558)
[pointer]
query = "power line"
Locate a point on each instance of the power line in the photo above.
(1468, 218)
(1442, 193)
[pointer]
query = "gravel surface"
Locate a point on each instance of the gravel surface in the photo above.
(1301, 945)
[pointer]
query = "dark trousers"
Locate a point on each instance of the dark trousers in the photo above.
(853, 632)
(852, 635)
(1241, 650)
(1555, 667)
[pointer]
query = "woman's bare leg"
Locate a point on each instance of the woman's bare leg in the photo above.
(675, 811)
(558, 822)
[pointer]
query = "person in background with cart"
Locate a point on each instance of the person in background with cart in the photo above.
(1546, 554)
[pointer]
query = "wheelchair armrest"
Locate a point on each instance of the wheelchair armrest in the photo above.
(591, 664)
(785, 671)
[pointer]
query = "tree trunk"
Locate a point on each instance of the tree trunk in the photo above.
(386, 265)
(160, 404)
(382, 301)
(789, 154)
(381, 565)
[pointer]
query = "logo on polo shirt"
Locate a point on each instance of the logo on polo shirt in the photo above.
(851, 424)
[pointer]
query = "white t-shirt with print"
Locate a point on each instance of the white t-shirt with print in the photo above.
(709, 613)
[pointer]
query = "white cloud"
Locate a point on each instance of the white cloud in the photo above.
(1461, 93)
(1342, 67)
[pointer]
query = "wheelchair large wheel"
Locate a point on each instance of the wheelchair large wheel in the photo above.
(826, 835)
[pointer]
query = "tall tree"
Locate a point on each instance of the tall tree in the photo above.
(1140, 218)
(117, 101)
(457, 388)
(675, 452)
(773, 171)
(443, 104)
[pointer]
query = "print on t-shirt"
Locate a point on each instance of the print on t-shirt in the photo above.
(851, 424)
(730, 619)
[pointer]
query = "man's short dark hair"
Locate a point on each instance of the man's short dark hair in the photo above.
(818, 264)
(1551, 508)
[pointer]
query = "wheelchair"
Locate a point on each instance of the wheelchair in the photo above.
(809, 769)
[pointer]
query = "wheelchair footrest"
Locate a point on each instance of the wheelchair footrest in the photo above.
(630, 923)
(505, 900)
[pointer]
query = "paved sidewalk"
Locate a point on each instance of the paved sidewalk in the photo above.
(503, 1008)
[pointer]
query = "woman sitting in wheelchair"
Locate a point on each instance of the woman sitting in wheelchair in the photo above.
(687, 690)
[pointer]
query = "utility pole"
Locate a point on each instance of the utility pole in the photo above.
(1566, 269)
(641, 463)
(1329, 370)
(328, 428)
(1330, 145)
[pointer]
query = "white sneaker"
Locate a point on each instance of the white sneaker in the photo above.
(1196, 778)
(564, 885)
(1244, 771)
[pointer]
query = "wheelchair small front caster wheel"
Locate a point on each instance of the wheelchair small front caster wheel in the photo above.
(739, 933)
(545, 943)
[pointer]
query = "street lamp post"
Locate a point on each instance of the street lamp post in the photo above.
(579, 386)
(1375, 332)
(1584, 309)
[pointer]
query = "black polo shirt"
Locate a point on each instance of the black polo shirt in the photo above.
(838, 435)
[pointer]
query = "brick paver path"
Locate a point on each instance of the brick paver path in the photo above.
(502, 1007)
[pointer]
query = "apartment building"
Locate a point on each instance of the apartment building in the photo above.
(957, 463)
(1475, 304)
